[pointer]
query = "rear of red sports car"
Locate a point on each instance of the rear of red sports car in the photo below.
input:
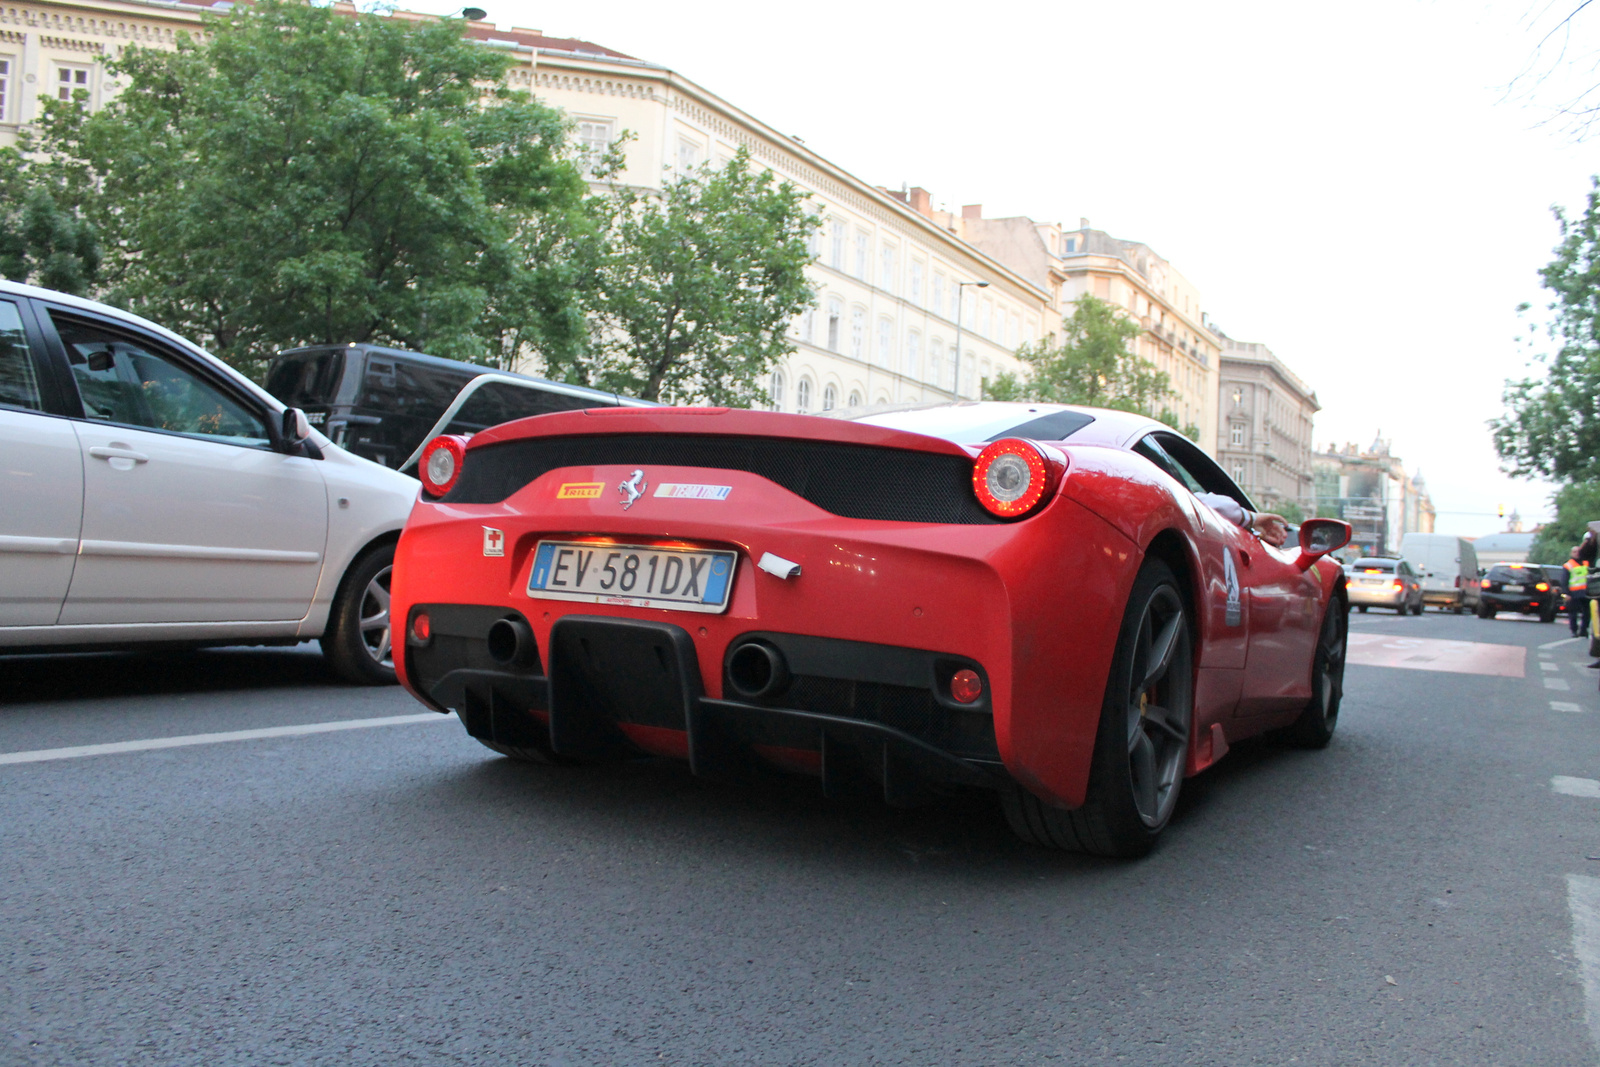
(739, 588)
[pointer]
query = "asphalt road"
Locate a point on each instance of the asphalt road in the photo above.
(401, 895)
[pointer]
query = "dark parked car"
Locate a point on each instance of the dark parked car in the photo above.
(382, 403)
(1520, 587)
(1557, 577)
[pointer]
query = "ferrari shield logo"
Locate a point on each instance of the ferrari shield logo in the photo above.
(1233, 613)
(494, 542)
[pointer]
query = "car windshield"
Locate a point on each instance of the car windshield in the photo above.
(979, 423)
(306, 379)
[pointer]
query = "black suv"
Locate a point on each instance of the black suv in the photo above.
(1519, 587)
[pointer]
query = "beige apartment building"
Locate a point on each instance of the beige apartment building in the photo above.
(894, 288)
(1069, 263)
(1264, 426)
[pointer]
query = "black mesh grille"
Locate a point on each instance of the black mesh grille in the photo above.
(855, 481)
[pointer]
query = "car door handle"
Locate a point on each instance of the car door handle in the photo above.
(118, 452)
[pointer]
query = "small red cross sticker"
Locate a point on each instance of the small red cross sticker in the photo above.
(494, 542)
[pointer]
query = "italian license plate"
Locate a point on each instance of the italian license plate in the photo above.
(1515, 588)
(683, 579)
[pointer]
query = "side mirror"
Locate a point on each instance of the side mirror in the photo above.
(296, 427)
(1318, 537)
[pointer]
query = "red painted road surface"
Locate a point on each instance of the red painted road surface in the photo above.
(1431, 654)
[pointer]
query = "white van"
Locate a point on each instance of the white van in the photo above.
(1449, 569)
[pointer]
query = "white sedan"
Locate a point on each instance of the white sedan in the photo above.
(153, 495)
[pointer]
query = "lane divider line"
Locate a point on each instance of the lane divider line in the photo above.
(1563, 705)
(1559, 684)
(1545, 665)
(1583, 902)
(1561, 641)
(44, 755)
(1575, 787)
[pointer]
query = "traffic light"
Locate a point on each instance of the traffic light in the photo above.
(1502, 511)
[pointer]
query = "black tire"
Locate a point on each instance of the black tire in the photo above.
(1314, 728)
(1361, 608)
(1548, 615)
(1139, 755)
(1485, 611)
(357, 641)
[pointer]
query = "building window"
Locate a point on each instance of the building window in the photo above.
(594, 138)
(69, 79)
(983, 319)
(916, 282)
(1238, 473)
(837, 250)
(835, 313)
(886, 269)
(938, 294)
(5, 85)
(863, 250)
(1012, 331)
(885, 343)
(688, 155)
(802, 396)
(829, 397)
(855, 399)
(808, 323)
(1072, 244)
(1236, 435)
(913, 353)
(777, 390)
(936, 362)
(858, 334)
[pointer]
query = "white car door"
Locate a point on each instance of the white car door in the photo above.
(41, 482)
(189, 514)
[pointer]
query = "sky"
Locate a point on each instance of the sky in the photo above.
(1365, 188)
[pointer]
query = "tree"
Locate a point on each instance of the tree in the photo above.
(1552, 423)
(304, 175)
(1092, 365)
(41, 242)
(1576, 506)
(696, 287)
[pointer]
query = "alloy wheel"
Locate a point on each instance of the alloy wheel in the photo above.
(1159, 705)
(375, 630)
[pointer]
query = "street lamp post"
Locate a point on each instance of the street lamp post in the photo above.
(955, 389)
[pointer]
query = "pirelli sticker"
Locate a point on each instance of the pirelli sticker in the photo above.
(580, 490)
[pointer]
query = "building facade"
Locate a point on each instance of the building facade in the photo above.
(1264, 426)
(1070, 263)
(894, 288)
(1371, 490)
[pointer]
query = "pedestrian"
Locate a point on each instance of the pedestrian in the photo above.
(1578, 595)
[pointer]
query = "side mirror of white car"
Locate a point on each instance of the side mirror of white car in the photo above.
(296, 427)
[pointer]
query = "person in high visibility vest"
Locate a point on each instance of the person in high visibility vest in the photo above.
(1578, 596)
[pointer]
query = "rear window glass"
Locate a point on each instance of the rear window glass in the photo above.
(1385, 566)
(1515, 574)
(499, 402)
(306, 379)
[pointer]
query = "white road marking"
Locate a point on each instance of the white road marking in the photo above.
(1560, 642)
(1575, 787)
(1557, 683)
(1583, 901)
(1562, 705)
(43, 755)
(1544, 666)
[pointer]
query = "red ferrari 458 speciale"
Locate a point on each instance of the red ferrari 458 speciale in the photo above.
(1033, 598)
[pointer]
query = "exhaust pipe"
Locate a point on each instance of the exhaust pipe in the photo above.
(757, 671)
(511, 644)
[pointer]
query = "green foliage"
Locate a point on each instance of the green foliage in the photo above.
(697, 287)
(1552, 423)
(1091, 365)
(1577, 505)
(1291, 511)
(303, 175)
(42, 243)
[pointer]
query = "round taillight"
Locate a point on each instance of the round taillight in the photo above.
(1484, 584)
(441, 463)
(1542, 586)
(422, 626)
(1011, 477)
(965, 686)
